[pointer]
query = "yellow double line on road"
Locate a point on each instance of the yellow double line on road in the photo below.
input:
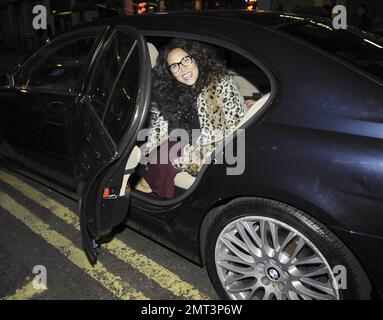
(152, 270)
(109, 280)
(25, 293)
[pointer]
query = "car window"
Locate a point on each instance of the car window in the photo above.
(123, 100)
(248, 70)
(107, 69)
(357, 47)
(58, 67)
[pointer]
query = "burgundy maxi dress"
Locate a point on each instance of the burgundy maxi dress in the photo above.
(160, 176)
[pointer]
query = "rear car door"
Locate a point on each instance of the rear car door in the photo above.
(104, 130)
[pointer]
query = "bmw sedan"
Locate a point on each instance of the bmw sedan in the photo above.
(295, 212)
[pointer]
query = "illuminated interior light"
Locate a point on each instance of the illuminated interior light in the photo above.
(64, 13)
(291, 17)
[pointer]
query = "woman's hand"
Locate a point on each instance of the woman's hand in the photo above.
(249, 103)
(194, 168)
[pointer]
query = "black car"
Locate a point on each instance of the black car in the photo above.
(303, 219)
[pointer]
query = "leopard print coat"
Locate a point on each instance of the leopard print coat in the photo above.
(220, 108)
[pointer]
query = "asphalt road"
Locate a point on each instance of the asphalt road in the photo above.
(39, 229)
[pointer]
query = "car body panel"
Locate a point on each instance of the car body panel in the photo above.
(40, 116)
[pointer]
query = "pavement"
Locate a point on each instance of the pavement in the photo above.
(41, 256)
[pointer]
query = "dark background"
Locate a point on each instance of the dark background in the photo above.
(18, 38)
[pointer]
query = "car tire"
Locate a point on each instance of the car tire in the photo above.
(262, 249)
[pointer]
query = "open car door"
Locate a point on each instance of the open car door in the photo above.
(104, 129)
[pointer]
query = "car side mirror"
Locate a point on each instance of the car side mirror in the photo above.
(6, 81)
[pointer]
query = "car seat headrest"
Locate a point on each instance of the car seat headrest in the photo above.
(153, 53)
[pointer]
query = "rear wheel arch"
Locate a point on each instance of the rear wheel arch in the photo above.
(225, 208)
(214, 210)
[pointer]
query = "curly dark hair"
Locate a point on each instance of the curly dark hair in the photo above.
(171, 95)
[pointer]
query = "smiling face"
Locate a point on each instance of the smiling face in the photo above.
(187, 75)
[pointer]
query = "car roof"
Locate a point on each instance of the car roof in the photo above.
(260, 17)
(269, 19)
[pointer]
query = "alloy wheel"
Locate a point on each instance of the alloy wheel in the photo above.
(260, 258)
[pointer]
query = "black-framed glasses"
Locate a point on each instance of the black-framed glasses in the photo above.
(185, 61)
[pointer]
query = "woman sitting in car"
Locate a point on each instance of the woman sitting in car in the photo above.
(192, 91)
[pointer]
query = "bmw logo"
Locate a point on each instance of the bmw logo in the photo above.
(273, 274)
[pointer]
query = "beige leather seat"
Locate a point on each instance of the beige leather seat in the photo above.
(254, 109)
(131, 165)
(246, 88)
(153, 53)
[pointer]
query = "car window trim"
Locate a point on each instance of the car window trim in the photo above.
(89, 32)
(112, 29)
(108, 102)
(266, 67)
(113, 145)
(261, 63)
(99, 54)
(46, 91)
(99, 47)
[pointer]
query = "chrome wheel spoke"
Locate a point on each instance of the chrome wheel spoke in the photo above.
(270, 252)
(238, 289)
(314, 259)
(236, 268)
(301, 243)
(269, 294)
(249, 236)
(235, 259)
(240, 254)
(274, 235)
(263, 258)
(324, 287)
(287, 240)
(235, 278)
(231, 239)
(309, 274)
(304, 290)
(252, 231)
(252, 292)
(293, 295)
(304, 297)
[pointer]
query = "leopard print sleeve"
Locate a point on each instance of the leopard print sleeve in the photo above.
(232, 103)
(229, 99)
(158, 132)
(192, 157)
